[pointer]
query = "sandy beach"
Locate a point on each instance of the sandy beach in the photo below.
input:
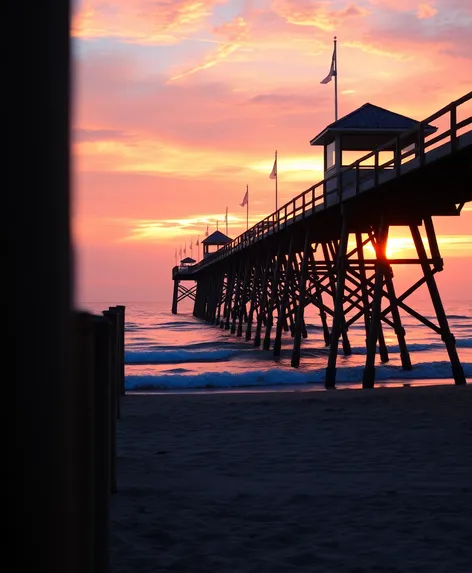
(341, 481)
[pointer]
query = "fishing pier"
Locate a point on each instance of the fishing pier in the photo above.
(327, 246)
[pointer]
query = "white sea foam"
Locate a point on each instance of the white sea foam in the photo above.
(177, 356)
(278, 377)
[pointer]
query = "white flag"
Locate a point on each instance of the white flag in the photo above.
(332, 70)
(273, 173)
(245, 199)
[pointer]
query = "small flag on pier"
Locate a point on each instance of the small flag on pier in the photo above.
(332, 70)
(273, 173)
(245, 198)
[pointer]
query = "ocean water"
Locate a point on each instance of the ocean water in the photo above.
(176, 353)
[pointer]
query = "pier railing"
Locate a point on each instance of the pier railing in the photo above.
(411, 149)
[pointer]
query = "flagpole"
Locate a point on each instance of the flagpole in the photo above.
(247, 208)
(276, 179)
(335, 79)
(226, 220)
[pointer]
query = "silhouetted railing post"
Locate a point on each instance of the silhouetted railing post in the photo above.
(453, 128)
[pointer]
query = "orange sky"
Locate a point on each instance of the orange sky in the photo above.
(178, 104)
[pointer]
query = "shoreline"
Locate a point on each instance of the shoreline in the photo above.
(289, 388)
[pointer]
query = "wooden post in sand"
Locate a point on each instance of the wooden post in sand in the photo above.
(115, 397)
(114, 318)
(85, 454)
(102, 420)
(120, 309)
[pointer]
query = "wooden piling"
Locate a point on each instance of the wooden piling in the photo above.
(273, 298)
(368, 379)
(175, 296)
(264, 299)
(446, 334)
(284, 298)
(338, 318)
(300, 323)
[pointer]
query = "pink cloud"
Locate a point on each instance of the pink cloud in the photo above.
(425, 11)
(140, 21)
(318, 14)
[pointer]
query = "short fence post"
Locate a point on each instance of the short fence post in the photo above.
(114, 394)
(121, 349)
(84, 471)
(103, 462)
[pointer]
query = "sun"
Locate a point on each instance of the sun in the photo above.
(396, 246)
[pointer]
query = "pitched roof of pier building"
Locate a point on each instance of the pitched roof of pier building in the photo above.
(368, 127)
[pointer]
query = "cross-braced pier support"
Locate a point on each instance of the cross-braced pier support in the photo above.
(347, 278)
(181, 291)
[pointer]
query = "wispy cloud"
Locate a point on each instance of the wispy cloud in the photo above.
(236, 32)
(319, 14)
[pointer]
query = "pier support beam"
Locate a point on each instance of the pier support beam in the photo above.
(264, 303)
(368, 378)
(175, 296)
(300, 323)
(317, 297)
(446, 334)
(273, 299)
(338, 318)
(255, 291)
(281, 318)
